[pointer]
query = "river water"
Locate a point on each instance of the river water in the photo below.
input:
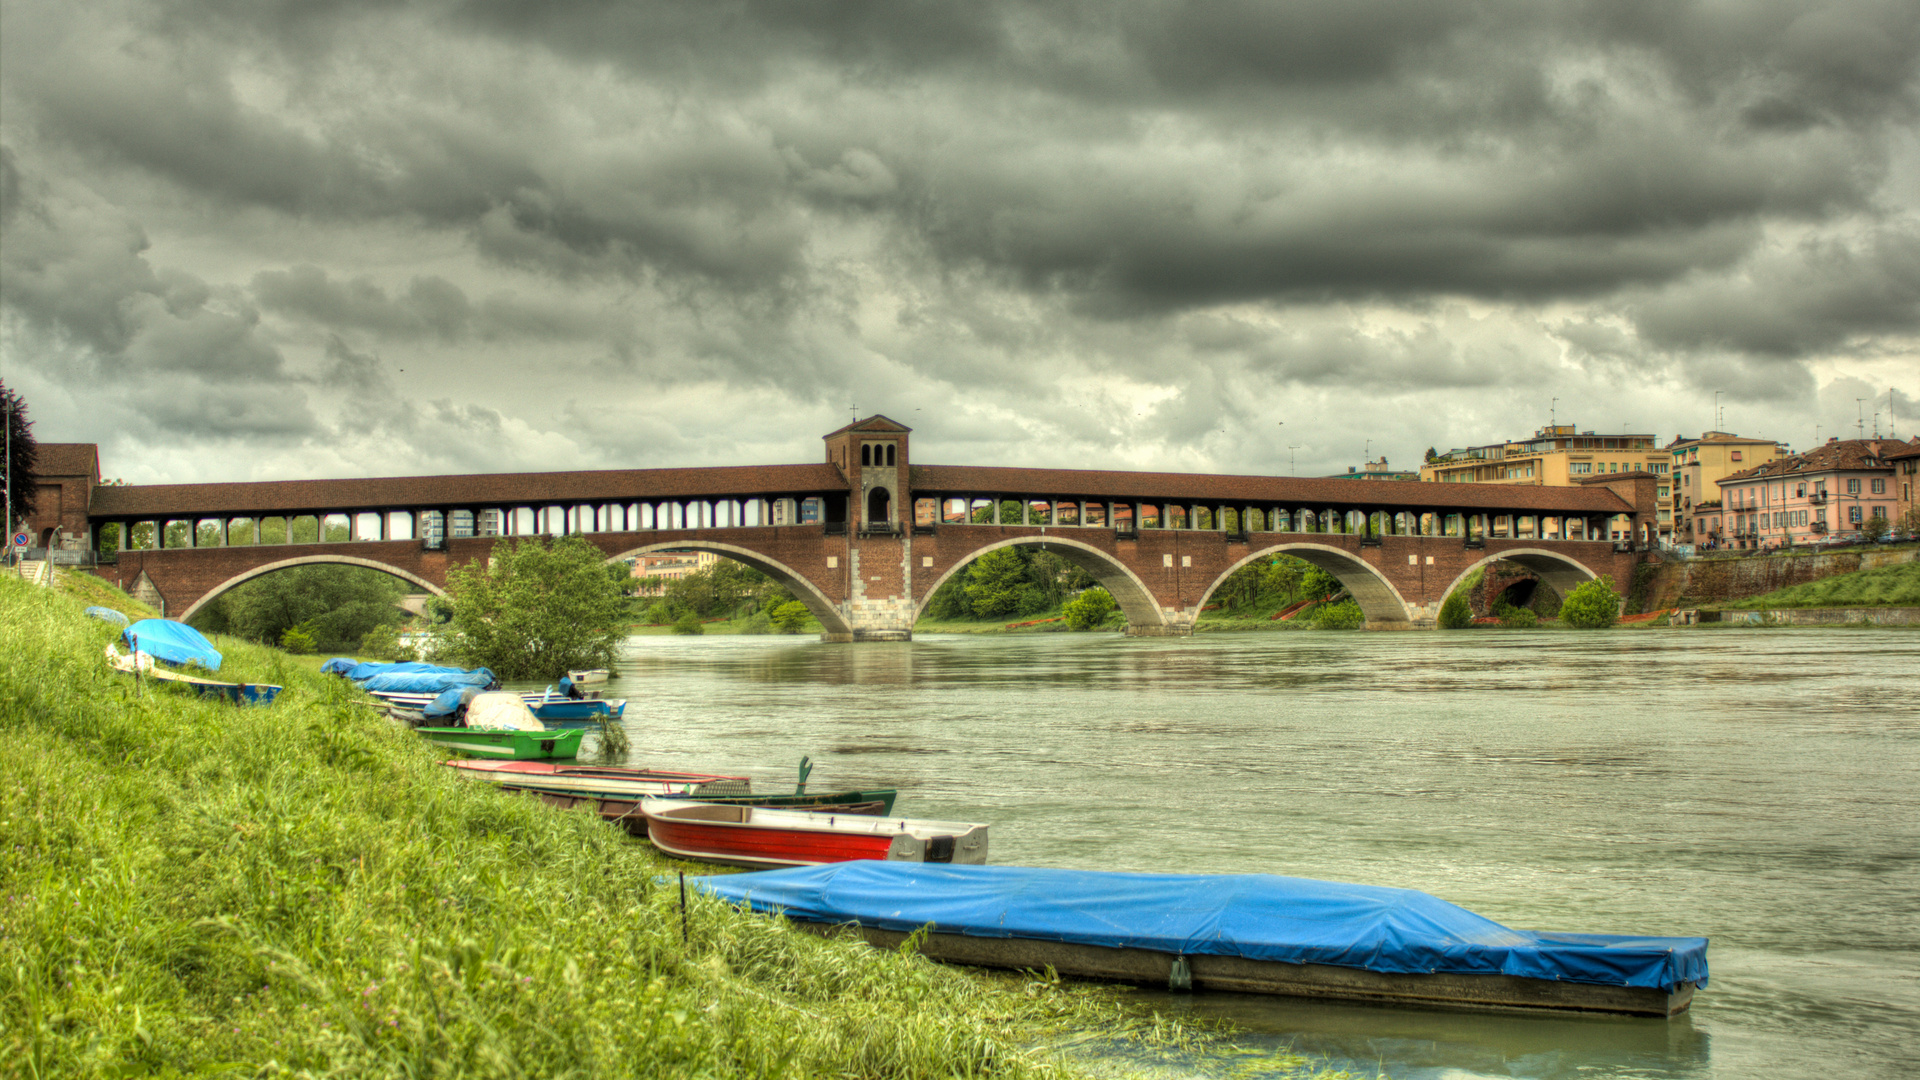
(1760, 788)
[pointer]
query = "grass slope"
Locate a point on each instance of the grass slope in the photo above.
(193, 888)
(1887, 586)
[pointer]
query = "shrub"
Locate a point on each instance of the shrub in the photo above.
(1592, 606)
(297, 640)
(1089, 609)
(688, 623)
(791, 617)
(1456, 613)
(757, 623)
(1519, 618)
(1345, 615)
(661, 613)
(383, 643)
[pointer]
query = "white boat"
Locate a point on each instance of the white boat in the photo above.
(589, 677)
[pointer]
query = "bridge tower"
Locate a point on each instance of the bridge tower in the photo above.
(878, 561)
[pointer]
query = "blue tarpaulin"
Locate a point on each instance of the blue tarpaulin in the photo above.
(1256, 916)
(367, 669)
(176, 643)
(449, 701)
(428, 682)
(107, 614)
(339, 665)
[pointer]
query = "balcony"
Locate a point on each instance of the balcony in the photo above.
(1237, 536)
(1818, 498)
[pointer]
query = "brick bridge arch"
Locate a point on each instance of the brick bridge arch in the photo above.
(1135, 599)
(832, 620)
(307, 560)
(1563, 572)
(1379, 601)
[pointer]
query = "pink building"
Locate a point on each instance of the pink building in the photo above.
(1823, 494)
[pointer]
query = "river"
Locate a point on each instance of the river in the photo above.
(1759, 788)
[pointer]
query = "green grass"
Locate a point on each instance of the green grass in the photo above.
(1886, 586)
(192, 888)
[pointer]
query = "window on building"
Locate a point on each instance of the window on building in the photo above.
(1853, 487)
(1879, 487)
(1579, 467)
(1736, 455)
(1879, 511)
(1853, 514)
(1665, 491)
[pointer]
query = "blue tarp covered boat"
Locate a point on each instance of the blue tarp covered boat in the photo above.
(107, 614)
(1251, 932)
(173, 642)
(427, 682)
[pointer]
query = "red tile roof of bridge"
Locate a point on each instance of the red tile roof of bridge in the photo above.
(645, 485)
(471, 491)
(1281, 490)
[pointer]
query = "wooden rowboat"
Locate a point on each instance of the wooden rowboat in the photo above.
(752, 836)
(238, 693)
(506, 742)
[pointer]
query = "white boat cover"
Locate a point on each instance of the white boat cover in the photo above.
(502, 710)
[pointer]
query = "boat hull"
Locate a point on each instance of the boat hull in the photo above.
(1475, 993)
(569, 712)
(625, 812)
(492, 743)
(735, 835)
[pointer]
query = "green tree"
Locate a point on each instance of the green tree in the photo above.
(299, 640)
(24, 454)
(1875, 528)
(1317, 584)
(791, 617)
(1456, 613)
(335, 605)
(688, 623)
(535, 610)
(1089, 609)
(1001, 586)
(1592, 605)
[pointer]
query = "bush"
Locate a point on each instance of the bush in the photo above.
(688, 623)
(1089, 609)
(298, 640)
(1592, 606)
(1456, 613)
(1345, 615)
(661, 613)
(1519, 618)
(535, 610)
(791, 617)
(757, 623)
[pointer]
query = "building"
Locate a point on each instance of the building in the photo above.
(666, 566)
(1906, 480)
(1556, 456)
(1692, 503)
(1826, 493)
(1375, 470)
(64, 478)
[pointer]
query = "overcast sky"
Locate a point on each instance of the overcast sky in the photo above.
(253, 239)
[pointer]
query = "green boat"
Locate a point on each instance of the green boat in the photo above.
(506, 743)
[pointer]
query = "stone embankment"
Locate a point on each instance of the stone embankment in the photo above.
(1704, 582)
(1880, 616)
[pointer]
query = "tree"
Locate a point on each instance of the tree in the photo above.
(535, 610)
(1432, 453)
(23, 453)
(1875, 529)
(1592, 606)
(1089, 609)
(1456, 613)
(335, 606)
(791, 617)
(1000, 585)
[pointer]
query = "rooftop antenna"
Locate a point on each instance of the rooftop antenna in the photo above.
(1860, 424)
(1716, 409)
(1291, 447)
(1553, 412)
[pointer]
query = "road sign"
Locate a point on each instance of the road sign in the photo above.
(20, 539)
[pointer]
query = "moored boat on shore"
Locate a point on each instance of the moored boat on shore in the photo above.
(737, 835)
(1253, 933)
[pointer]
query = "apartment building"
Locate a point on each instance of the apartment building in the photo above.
(1692, 501)
(1825, 493)
(665, 566)
(1556, 456)
(1906, 480)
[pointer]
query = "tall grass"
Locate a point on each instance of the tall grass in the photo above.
(192, 888)
(1897, 585)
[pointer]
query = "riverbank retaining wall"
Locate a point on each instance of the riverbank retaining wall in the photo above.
(1687, 583)
(1885, 616)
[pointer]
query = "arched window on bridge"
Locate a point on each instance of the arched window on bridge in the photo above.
(879, 507)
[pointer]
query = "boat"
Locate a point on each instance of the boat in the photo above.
(499, 725)
(752, 836)
(1249, 933)
(571, 712)
(506, 743)
(238, 693)
(590, 677)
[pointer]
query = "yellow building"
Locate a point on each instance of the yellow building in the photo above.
(1693, 504)
(1556, 456)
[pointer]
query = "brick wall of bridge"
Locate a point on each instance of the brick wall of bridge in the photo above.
(876, 585)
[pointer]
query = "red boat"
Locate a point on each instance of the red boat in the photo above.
(761, 838)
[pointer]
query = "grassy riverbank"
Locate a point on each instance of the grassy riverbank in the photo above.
(1886, 586)
(302, 890)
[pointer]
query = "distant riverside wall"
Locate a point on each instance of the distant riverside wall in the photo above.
(1885, 616)
(1692, 583)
